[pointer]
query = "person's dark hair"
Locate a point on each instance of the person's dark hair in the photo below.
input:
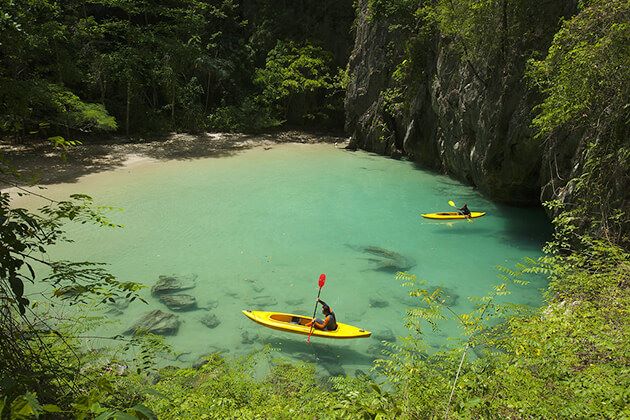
(326, 309)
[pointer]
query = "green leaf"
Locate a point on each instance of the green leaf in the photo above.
(52, 408)
(26, 406)
(142, 412)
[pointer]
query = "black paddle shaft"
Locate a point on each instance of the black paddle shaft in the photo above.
(316, 302)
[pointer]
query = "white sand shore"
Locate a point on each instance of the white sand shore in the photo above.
(41, 164)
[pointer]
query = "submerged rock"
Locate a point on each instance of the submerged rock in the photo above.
(119, 303)
(334, 369)
(210, 320)
(179, 302)
(156, 322)
(447, 296)
(378, 303)
(376, 349)
(173, 284)
(262, 301)
(386, 260)
(114, 312)
(384, 335)
(212, 304)
(247, 338)
(232, 294)
(294, 302)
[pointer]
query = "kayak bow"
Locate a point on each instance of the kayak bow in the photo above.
(297, 324)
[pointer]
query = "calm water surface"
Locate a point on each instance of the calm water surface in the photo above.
(259, 227)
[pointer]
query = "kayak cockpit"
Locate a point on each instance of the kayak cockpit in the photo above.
(290, 319)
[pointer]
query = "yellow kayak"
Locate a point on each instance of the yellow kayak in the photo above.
(297, 324)
(447, 215)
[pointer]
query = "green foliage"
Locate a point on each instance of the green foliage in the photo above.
(251, 115)
(223, 388)
(584, 80)
(102, 65)
(36, 105)
(297, 82)
(31, 39)
(567, 359)
(43, 360)
(585, 75)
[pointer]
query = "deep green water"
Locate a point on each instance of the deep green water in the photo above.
(258, 228)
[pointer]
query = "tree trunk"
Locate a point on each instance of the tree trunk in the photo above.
(208, 91)
(128, 107)
(173, 105)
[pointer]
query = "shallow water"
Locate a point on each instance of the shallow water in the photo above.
(259, 227)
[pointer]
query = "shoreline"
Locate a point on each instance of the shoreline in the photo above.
(41, 164)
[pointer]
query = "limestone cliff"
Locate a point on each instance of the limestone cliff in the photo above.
(469, 120)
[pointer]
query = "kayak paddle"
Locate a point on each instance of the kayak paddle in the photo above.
(452, 204)
(321, 282)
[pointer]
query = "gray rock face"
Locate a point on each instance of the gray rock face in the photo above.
(156, 322)
(471, 122)
(179, 302)
(210, 320)
(173, 284)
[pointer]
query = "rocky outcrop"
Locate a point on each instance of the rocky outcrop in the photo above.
(370, 71)
(472, 123)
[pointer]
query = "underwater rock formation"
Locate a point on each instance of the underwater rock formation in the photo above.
(173, 284)
(179, 302)
(155, 322)
(210, 320)
(386, 260)
(378, 303)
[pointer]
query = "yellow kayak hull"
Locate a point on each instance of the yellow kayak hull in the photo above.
(450, 215)
(297, 324)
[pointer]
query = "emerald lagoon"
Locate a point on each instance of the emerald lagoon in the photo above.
(256, 229)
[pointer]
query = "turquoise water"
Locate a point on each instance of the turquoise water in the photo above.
(259, 227)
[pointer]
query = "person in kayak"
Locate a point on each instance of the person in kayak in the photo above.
(329, 323)
(464, 210)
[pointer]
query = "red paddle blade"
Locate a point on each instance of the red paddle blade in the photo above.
(322, 280)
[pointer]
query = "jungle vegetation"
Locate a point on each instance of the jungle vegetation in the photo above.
(72, 67)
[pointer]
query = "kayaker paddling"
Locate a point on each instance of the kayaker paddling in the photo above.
(465, 211)
(330, 321)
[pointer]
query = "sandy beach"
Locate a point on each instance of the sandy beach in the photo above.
(41, 163)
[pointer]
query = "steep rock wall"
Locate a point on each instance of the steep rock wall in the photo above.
(473, 124)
